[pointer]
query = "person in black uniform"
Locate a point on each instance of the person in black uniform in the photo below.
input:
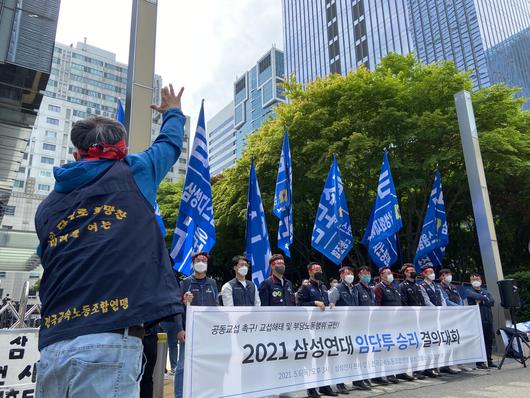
(386, 294)
(366, 298)
(315, 294)
(478, 295)
(411, 296)
(276, 290)
(198, 289)
(346, 294)
(240, 291)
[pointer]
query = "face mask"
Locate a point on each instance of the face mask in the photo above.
(476, 283)
(413, 275)
(365, 278)
(318, 275)
(243, 271)
(201, 266)
(334, 284)
(280, 269)
(348, 279)
(390, 278)
(431, 277)
(448, 278)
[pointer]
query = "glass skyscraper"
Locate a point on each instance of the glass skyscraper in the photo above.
(256, 93)
(490, 38)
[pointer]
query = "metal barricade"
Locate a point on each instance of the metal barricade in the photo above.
(160, 366)
(17, 315)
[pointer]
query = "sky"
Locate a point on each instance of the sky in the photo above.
(202, 45)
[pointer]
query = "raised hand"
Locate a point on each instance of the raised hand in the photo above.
(169, 99)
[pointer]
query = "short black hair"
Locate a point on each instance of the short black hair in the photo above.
(96, 130)
(345, 268)
(275, 257)
(237, 259)
(313, 263)
(475, 274)
(195, 255)
(445, 271)
(364, 268)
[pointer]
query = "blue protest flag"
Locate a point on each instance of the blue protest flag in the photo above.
(332, 235)
(434, 235)
(283, 204)
(384, 253)
(120, 112)
(160, 220)
(385, 220)
(258, 249)
(195, 229)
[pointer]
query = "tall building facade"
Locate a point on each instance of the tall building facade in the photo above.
(256, 93)
(490, 38)
(222, 140)
(85, 80)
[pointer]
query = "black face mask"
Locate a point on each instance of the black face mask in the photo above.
(318, 275)
(413, 275)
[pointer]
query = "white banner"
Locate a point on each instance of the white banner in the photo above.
(259, 351)
(18, 355)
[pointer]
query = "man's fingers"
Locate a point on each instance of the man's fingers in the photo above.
(171, 89)
(180, 92)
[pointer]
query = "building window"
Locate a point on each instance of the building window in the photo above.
(7, 210)
(45, 173)
(18, 184)
(43, 187)
(51, 134)
(51, 120)
(264, 63)
(21, 169)
(54, 108)
(240, 85)
(46, 160)
(48, 147)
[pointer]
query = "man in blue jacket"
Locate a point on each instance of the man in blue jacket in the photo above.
(478, 295)
(107, 275)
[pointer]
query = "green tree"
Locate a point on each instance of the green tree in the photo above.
(408, 108)
(168, 199)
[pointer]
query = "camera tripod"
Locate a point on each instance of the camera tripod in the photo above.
(520, 337)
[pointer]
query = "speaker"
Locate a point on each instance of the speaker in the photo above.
(509, 293)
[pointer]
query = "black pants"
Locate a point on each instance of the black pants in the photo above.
(149, 361)
(489, 335)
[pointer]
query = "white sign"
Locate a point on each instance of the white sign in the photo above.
(18, 356)
(259, 351)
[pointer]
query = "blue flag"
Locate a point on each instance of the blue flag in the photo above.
(434, 234)
(195, 230)
(283, 204)
(258, 249)
(385, 221)
(120, 112)
(332, 234)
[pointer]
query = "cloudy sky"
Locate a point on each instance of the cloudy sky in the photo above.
(201, 44)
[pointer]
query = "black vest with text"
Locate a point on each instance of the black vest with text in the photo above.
(106, 266)
(243, 295)
(434, 293)
(390, 295)
(348, 297)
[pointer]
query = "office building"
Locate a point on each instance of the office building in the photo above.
(489, 38)
(256, 93)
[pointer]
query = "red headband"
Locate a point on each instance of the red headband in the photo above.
(115, 151)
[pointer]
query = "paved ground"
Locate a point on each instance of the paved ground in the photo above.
(512, 381)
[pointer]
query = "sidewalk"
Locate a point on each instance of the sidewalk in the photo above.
(512, 381)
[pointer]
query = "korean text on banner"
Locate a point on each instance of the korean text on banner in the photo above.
(259, 351)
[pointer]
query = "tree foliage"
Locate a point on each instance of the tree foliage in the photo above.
(407, 108)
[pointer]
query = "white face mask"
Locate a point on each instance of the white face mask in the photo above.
(476, 283)
(390, 278)
(243, 271)
(348, 279)
(448, 278)
(431, 277)
(201, 266)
